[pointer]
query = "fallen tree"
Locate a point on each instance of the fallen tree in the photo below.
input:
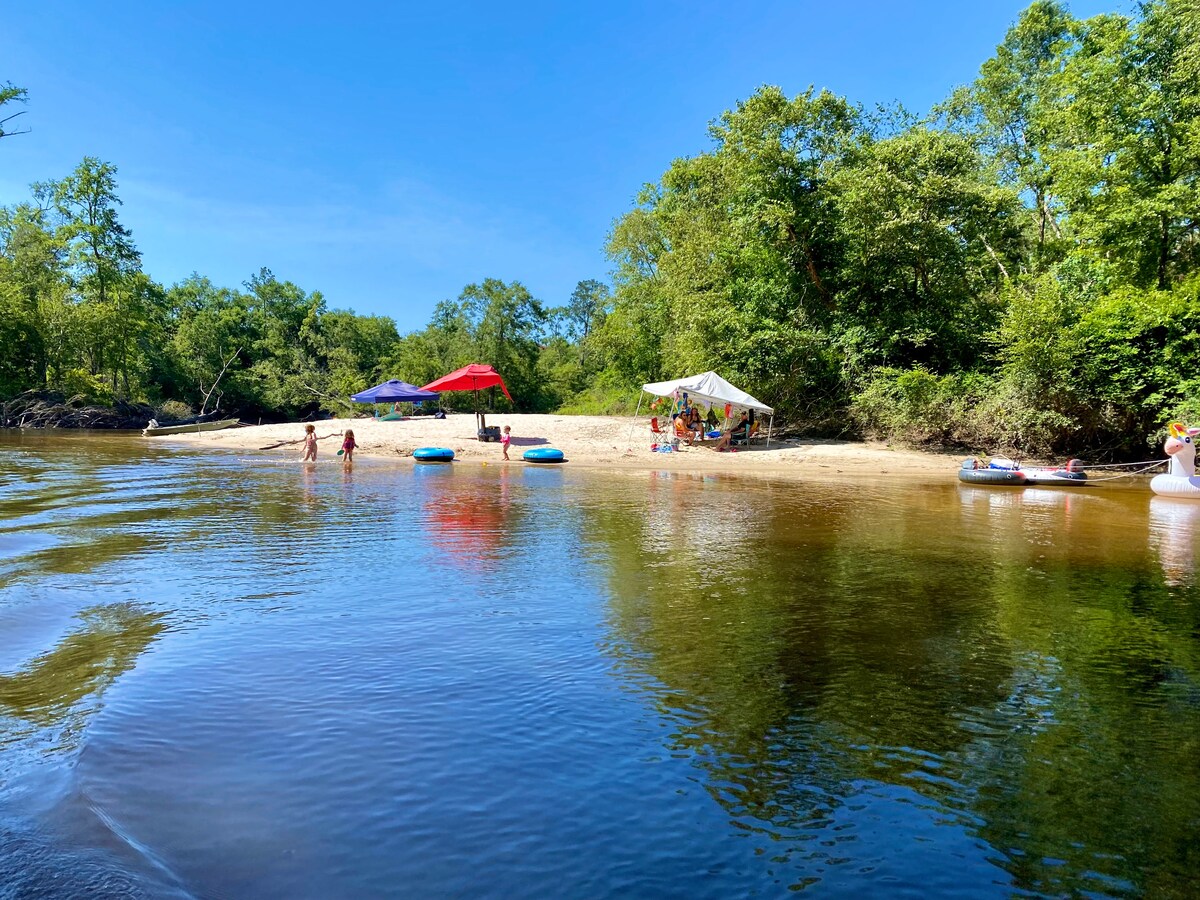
(41, 409)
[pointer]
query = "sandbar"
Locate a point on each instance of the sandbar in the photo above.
(606, 442)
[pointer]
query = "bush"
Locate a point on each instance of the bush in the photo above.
(83, 384)
(914, 406)
(173, 411)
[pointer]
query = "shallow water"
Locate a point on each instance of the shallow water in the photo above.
(240, 677)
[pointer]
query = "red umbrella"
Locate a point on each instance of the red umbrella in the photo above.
(471, 378)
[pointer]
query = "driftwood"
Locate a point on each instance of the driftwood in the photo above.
(41, 409)
(208, 394)
(300, 441)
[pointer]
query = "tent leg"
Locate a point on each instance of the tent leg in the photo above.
(633, 424)
(770, 426)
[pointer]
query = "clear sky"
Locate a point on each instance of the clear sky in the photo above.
(389, 154)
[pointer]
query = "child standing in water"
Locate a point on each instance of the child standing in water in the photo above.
(348, 445)
(506, 440)
(310, 443)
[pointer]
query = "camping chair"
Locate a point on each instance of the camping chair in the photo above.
(660, 434)
(746, 434)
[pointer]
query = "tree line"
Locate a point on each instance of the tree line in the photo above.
(1016, 268)
(80, 318)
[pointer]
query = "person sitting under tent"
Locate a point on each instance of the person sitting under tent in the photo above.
(746, 429)
(683, 431)
(691, 418)
(729, 436)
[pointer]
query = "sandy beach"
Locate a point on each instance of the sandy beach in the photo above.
(590, 441)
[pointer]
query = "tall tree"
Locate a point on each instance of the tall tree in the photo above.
(101, 253)
(1128, 154)
(37, 277)
(508, 324)
(587, 307)
(1014, 98)
(927, 237)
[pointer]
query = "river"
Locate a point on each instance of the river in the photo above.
(229, 675)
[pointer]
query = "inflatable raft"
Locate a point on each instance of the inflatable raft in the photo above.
(1180, 480)
(433, 454)
(972, 471)
(543, 455)
(1005, 471)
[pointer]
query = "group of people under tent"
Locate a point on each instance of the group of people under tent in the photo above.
(690, 426)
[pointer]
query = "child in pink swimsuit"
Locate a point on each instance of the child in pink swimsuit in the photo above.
(310, 444)
(348, 445)
(506, 439)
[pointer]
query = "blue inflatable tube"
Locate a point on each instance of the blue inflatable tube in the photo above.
(433, 454)
(543, 455)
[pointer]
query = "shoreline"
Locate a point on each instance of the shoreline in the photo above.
(596, 442)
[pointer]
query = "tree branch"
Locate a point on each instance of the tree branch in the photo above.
(220, 375)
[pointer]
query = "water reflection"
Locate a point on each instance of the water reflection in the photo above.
(111, 639)
(376, 674)
(877, 645)
(1175, 534)
(51, 690)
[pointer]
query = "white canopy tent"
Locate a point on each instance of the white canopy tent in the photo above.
(708, 387)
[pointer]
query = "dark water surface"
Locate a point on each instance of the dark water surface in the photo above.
(239, 677)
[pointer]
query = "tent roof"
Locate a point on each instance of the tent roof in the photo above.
(707, 386)
(474, 377)
(393, 391)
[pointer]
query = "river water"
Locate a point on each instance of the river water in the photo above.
(241, 677)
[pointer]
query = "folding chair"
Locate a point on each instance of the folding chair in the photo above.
(660, 433)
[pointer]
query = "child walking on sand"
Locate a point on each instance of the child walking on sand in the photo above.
(506, 440)
(310, 443)
(348, 445)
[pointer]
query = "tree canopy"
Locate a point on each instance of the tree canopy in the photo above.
(1017, 268)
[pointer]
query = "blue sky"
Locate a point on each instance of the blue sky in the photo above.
(387, 155)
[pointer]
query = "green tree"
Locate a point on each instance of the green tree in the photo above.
(927, 237)
(507, 323)
(587, 308)
(213, 334)
(1128, 151)
(289, 351)
(35, 277)
(1014, 101)
(102, 257)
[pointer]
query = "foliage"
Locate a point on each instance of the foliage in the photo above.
(8, 94)
(1019, 269)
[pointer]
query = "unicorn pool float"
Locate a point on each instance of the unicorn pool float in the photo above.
(1180, 480)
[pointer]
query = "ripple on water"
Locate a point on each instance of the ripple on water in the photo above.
(253, 678)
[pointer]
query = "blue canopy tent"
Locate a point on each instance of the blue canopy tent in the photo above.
(394, 391)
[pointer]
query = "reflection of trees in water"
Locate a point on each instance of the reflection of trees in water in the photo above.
(1110, 781)
(998, 666)
(47, 692)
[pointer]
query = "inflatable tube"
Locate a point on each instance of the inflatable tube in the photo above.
(543, 455)
(971, 473)
(433, 454)
(1176, 486)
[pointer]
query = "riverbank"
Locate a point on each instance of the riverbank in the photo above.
(590, 441)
